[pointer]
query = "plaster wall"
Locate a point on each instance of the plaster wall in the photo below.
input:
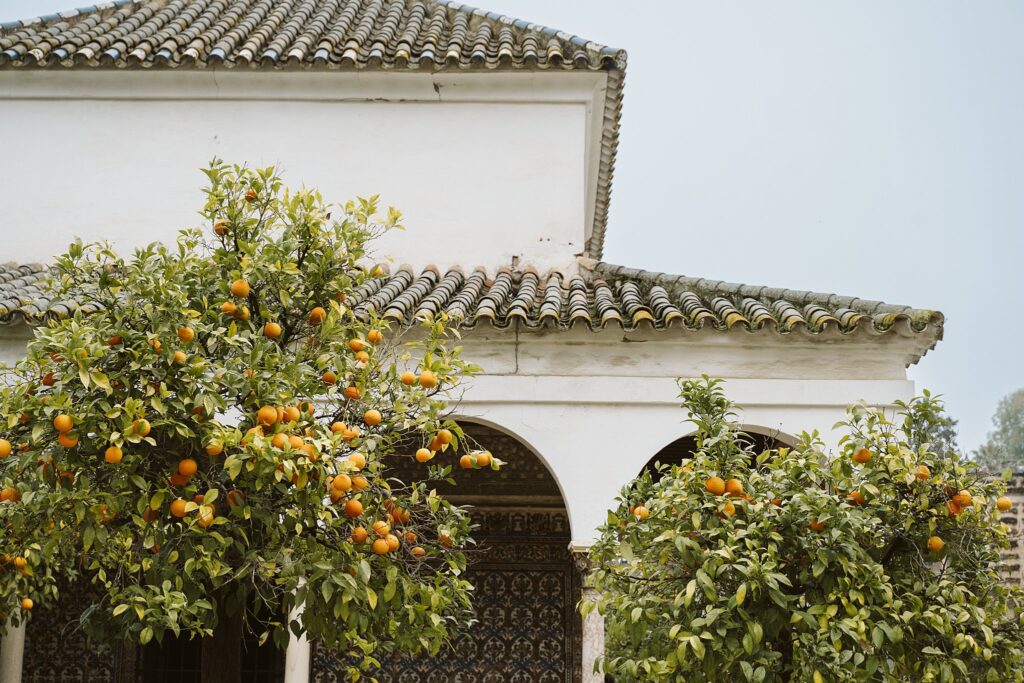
(487, 169)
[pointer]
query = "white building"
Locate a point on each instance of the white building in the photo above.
(497, 140)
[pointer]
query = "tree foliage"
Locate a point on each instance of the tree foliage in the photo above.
(1005, 445)
(878, 563)
(230, 424)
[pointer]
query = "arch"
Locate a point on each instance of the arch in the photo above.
(679, 449)
(527, 585)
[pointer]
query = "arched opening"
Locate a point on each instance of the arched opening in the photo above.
(759, 438)
(527, 586)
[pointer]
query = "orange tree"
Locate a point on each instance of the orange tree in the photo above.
(210, 446)
(878, 563)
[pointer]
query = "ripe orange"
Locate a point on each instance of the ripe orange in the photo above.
(483, 459)
(338, 427)
(115, 340)
(417, 551)
(271, 330)
(180, 358)
(358, 460)
(953, 508)
(5, 448)
(329, 377)
(292, 413)
(392, 542)
(240, 288)
(187, 467)
(428, 380)
(777, 502)
(221, 226)
(862, 456)
(715, 485)
(856, 498)
(178, 507)
(295, 442)
(67, 440)
(424, 455)
(1003, 503)
(341, 482)
(9, 493)
(963, 498)
(356, 345)
(63, 423)
(279, 441)
(359, 483)
(351, 393)
(317, 316)
(113, 455)
(214, 448)
(26, 604)
(374, 336)
(229, 308)
(734, 487)
(381, 528)
(936, 544)
(923, 473)
(466, 461)
(817, 525)
(350, 435)
(243, 313)
(408, 378)
(444, 437)
(250, 195)
(49, 380)
(155, 343)
(363, 357)
(353, 508)
(641, 512)
(205, 515)
(186, 334)
(380, 547)
(141, 427)
(235, 498)
(359, 535)
(372, 417)
(267, 416)
(728, 509)
(149, 514)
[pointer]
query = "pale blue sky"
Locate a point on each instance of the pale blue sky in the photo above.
(862, 147)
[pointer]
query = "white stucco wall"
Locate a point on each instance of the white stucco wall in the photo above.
(485, 168)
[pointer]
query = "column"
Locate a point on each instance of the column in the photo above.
(593, 623)
(297, 656)
(12, 652)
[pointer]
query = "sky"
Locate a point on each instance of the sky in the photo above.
(861, 147)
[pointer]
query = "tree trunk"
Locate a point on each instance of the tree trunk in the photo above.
(222, 652)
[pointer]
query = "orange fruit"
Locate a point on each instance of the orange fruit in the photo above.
(235, 498)
(267, 416)
(180, 358)
(9, 494)
(466, 461)
(141, 427)
(641, 512)
(935, 544)
(777, 502)
(372, 417)
(279, 441)
(186, 334)
(356, 345)
(359, 535)
(380, 547)
(381, 528)
(392, 542)
(317, 316)
(350, 435)
(115, 340)
(155, 343)
(363, 357)
(715, 485)
(240, 288)
(953, 508)
(444, 437)
(963, 498)
(113, 455)
(856, 498)
(341, 482)
(26, 604)
(205, 515)
(49, 380)
(178, 507)
(187, 467)
(338, 427)
(734, 487)
(359, 483)
(728, 509)
(221, 226)
(149, 514)
(417, 551)
(483, 459)
(67, 440)
(295, 442)
(353, 508)
(408, 378)
(424, 455)
(428, 380)
(817, 525)
(214, 448)
(374, 336)
(229, 308)
(923, 473)
(292, 413)
(271, 330)
(251, 196)
(862, 456)
(1003, 503)
(5, 448)
(358, 460)
(63, 423)
(352, 393)
(329, 377)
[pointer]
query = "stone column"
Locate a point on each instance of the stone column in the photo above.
(593, 623)
(12, 653)
(297, 656)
